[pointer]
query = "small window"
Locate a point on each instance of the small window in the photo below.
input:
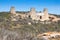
(29, 16)
(40, 17)
(51, 18)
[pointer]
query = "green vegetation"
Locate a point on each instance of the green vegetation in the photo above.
(25, 31)
(5, 14)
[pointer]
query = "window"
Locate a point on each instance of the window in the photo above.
(40, 17)
(51, 18)
(29, 16)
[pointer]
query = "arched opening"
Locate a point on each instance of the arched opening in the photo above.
(29, 16)
(40, 17)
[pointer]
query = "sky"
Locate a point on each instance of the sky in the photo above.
(53, 6)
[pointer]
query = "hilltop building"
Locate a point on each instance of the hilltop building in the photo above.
(42, 16)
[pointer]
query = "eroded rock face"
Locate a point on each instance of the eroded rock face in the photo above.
(49, 36)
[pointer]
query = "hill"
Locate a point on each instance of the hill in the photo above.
(20, 30)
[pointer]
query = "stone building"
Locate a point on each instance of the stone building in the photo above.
(12, 10)
(42, 16)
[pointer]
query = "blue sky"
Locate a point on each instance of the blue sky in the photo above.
(53, 6)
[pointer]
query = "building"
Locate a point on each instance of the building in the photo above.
(42, 16)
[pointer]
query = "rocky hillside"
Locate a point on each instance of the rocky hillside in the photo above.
(21, 30)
